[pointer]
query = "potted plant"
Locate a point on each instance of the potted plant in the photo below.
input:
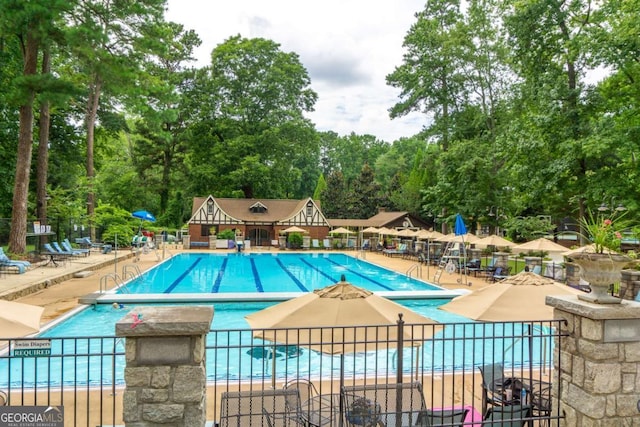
(602, 263)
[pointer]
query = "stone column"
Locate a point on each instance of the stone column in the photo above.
(165, 370)
(630, 284)
(596, 379)
(502, 259)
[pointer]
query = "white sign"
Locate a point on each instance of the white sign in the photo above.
(31, 348)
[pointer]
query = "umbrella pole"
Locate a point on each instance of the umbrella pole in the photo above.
(342, 409)
(273, 367)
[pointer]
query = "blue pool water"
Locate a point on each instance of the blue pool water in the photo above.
(266, 272)
(75, 346)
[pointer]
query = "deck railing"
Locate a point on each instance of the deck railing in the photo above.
(87, 375)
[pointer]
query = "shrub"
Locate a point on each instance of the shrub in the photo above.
(295, 240)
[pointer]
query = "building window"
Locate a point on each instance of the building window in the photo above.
(210, 207)
(309, 209)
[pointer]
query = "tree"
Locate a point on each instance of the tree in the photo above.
(364, 195)
(334, 197)
(252, 138)
(320, 187)
(431, 77)
(34, 24)
(104, 45)
(158, 102)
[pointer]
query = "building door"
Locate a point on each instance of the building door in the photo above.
(259, 237)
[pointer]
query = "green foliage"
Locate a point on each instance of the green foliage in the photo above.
(227, 234)
(528, 228)
(320, 187)
(295, 240)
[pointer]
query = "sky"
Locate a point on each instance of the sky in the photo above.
(348, 47)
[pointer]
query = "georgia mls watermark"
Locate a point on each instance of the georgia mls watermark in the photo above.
(31, 416)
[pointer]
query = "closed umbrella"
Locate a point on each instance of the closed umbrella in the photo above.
(18, 319)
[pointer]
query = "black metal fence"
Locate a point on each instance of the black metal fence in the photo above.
(86, 375)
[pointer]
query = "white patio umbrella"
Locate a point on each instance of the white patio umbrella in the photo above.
(341, 230)
(18, 319)
(494, 240)
(294, 229)
(541, 244)
(371, 230)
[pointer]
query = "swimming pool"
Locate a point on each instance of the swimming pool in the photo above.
(266, 272)
(231, 348)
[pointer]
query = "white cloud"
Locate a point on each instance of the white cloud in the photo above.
(347, 46)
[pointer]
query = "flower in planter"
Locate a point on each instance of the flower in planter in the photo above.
(605, 232)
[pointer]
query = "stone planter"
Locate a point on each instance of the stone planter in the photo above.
(600, 270)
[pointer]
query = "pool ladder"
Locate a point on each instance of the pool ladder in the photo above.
(416, 268)
(129, 272)
(104, 281)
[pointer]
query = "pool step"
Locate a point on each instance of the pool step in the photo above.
(91, 298)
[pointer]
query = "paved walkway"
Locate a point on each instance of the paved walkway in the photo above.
(57, 289)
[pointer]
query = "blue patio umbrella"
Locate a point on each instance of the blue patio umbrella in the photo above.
(460, 229)
(144, 215)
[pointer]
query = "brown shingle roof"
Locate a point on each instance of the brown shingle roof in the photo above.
(277, 209)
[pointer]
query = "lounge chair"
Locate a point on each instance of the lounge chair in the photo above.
(366, 245)
(499, 274)
(8, 264)
(66, 245)
(315, 244)
(86, 243)
(326, 243)
(54, 255)
(58, 248)
(401, 250)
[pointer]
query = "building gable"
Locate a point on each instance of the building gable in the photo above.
(209, 212)
(308, 214)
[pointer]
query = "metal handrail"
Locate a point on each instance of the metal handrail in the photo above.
(104, 281)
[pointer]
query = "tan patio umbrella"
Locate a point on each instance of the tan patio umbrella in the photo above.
(517, 298)
(371, 230)
(19, 320)
(294, 229)
(341, 318)
(406, 233)
(341, 230)
(583, 249)
(541, 244)
(387, 231)
(494, 240)
(333, 307)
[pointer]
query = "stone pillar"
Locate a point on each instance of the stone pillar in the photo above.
(502, 259)
(630, 284)
(532, 261)
(165, 370)
(596, 378)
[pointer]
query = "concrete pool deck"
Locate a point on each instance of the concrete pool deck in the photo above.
(58, 289)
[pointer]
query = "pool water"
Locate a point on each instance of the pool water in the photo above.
(230, 353)
(266, 272)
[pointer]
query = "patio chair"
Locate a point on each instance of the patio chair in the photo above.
(315, 244)
(306, 390)
(443, 417)
(508, 416)
(259, 408)
(373, 405)
(492, 379)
